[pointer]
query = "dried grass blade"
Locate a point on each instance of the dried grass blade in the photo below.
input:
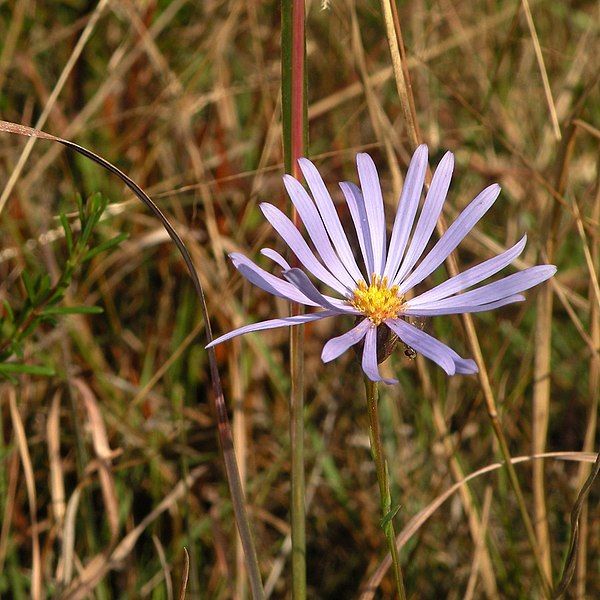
(540, 419)
(240, 441)
(11, 37)
(407, 102)
(64, 571)
(165, 566)
(57, 480)
(476, 526)
(13, 476)
(587, 254)
(104, 455)
(186, 574)
(36, 567)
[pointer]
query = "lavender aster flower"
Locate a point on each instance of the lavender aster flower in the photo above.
(375, 292)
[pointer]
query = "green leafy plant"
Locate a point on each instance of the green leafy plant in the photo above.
(42, 299)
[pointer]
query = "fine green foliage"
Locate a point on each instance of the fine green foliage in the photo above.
(41, 299)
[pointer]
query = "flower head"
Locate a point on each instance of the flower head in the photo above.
(375, 292)
(377, 301)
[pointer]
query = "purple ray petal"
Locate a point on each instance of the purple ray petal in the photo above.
(453, 236)
(464, 366)
(273, 324)
(492, 292)
(358, 212)
(299, 278)
(407, 209)
(369, 357)
(338, 345)
(276, 257)
(424, 343)
(330, 216)
(265, 281)
(292, 237)
(471, 276)
(432, 207)
(369, 183)
(316, 230)
(426, 310)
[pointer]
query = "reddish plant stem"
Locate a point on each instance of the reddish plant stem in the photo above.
(294, 138)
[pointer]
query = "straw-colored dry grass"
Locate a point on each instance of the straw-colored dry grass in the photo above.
(184, 97)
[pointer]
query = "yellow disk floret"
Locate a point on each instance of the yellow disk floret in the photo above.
(377, 301)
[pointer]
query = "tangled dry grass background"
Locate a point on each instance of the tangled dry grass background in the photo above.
(185, 97)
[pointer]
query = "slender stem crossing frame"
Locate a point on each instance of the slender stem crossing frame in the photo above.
(295, 136)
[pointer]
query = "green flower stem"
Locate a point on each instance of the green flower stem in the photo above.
(387, 517)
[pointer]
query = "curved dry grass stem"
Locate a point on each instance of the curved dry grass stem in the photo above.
(223, 425)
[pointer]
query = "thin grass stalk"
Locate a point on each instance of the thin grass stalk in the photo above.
(223, 425)
(594, 395)
(240, 444)
(295, 134)
(394, 34)
(387, 514)
(549, 218)
(541, 65)
(23, 448)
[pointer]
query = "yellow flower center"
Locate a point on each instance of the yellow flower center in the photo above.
(377, 301)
